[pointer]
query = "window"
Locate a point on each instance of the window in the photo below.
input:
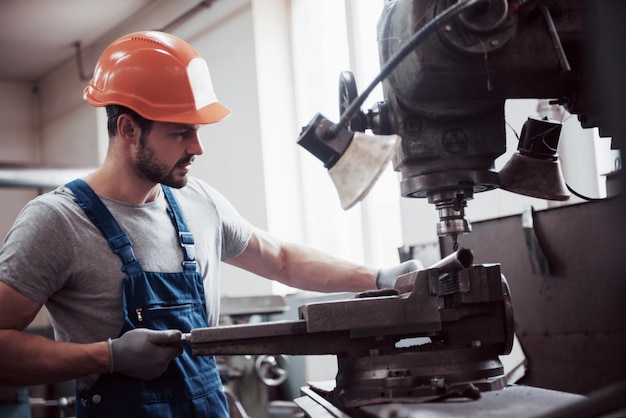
(329, 37)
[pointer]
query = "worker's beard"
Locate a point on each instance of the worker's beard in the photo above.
(150, 168)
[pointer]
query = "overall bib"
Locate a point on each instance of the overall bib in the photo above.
(191, 386)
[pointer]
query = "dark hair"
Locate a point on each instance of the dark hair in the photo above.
(114, 112)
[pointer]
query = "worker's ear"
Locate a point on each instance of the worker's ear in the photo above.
(127, 129)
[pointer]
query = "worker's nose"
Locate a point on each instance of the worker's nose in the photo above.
(195, 145)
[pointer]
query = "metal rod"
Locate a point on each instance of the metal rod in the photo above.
(79, 63)
(14, 175)
(456, 261)
(560, 52)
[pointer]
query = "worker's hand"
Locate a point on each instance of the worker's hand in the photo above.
(387, 277)
(143, 353)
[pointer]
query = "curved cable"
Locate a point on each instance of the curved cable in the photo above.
(587, 198)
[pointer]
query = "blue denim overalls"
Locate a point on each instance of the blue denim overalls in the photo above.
(191, 386)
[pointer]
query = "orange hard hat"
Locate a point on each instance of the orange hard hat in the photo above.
(159, 76)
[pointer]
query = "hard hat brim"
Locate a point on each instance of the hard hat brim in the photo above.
(211, 113)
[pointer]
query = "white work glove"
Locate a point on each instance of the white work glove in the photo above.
(144, 353)
(387, 277)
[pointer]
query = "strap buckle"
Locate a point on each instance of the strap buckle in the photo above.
(187, 242)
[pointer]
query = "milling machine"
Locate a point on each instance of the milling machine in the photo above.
(447, 68)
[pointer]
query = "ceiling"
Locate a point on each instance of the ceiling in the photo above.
(36, 36)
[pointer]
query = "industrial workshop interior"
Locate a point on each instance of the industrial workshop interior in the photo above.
(481, 137)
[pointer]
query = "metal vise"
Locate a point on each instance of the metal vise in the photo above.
(464, 311)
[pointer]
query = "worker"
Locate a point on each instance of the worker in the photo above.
(129, 257)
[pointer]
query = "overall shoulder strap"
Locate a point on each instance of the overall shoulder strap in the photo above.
(185, 237)
(100, 216)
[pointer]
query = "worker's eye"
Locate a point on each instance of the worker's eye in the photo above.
(182, 134)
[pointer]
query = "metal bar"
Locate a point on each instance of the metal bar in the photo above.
(290, 337)
(13, 175)
(456, 261)
(556, 41)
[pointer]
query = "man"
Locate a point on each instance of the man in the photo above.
(129, 257)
